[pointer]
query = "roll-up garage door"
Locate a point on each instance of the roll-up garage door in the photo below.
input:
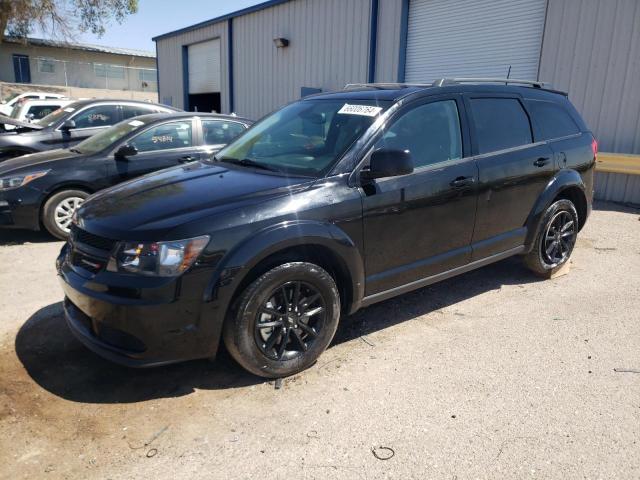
(204, 67)
(474, 38)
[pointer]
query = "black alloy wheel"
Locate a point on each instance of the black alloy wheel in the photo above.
(282, 321)
(290, 320)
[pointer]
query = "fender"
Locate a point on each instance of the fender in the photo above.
(561, 181)
(237, 263)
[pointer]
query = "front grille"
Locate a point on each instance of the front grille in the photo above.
(81, 236)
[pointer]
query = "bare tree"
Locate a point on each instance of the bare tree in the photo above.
(61, 19)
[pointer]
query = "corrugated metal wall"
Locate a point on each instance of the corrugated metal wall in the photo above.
(591, 49)
(328, 48)
(388, 49)
(170, 62)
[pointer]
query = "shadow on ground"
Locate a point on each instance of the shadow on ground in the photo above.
(20, 237)
(64, 367)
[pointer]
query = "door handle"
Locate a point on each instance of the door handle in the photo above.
(541, 162)
(186, 159)
(461, 182)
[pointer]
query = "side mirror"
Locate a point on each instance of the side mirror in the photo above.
(68, 125)
(30, 116)
(388, 163)
(126, 150)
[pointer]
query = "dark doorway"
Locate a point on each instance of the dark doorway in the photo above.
(205, 102)
(21, 68)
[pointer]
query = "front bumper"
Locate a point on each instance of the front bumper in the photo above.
(139, 322)
(20, 208)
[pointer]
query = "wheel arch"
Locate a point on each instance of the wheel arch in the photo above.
(565, 184)
(324, 244)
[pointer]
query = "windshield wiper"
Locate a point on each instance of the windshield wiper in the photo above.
(246, 162)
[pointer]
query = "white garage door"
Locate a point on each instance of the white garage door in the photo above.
(204, 67)
(474, 38)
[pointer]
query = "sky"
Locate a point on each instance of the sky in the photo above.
(156, 17)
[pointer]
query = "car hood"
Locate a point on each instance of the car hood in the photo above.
(149, 207)
(4, 120)
(47, 159)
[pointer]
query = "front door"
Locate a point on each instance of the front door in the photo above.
(160, 146)
(421, 224)
(88, 122)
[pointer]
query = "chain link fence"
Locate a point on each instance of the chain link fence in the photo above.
(48, 71)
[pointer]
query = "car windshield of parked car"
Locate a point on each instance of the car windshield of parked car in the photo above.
(55, 116)
(305, 138)
(106, 138)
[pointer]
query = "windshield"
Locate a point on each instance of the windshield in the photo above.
(304, 138)
(55, 116)
(108, 137)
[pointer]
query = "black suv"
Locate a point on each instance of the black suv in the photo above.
(70, 125)
(330, 204)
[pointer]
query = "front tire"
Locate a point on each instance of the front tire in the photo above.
(284, 320)
(58, 210)
(556, 239)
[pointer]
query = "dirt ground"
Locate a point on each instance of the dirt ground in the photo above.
(494, 374)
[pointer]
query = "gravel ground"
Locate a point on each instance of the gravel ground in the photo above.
(494, 374)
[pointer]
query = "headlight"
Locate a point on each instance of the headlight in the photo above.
(7, 183)
(158, 259)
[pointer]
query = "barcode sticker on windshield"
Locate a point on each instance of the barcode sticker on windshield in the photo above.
(136, 123)
(365, 110)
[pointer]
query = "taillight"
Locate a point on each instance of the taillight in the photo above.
(594, 148)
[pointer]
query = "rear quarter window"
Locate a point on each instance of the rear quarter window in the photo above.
(551, 121)
(500, 123)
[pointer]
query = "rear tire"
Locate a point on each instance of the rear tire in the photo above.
(284, 320)
(556, 239)
(58, 210)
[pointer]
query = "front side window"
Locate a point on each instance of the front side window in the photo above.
(304, 138)
(431, 133)
(551, 120)
(164, 137)
(106, 138)
(41, 111)
(98, 116)
(500, 123)
(220, 132)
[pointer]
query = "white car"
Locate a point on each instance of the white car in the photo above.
(7, 107)
(33, 110)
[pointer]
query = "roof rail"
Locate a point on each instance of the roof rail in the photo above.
(386, 85)
(448, 81)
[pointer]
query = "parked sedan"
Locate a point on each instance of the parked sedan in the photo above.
(44, 189)
(70, 125)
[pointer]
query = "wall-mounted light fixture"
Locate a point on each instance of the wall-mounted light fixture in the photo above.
(281, 42)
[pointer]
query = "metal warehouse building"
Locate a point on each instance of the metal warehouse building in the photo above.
(257, 59)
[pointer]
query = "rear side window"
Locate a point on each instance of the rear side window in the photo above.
(218, 132)
(500, 123)
(129, 111)
(551, 120)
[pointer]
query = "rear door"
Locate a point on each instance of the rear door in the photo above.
(160, 146)
(513, 171)
(421, 224)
